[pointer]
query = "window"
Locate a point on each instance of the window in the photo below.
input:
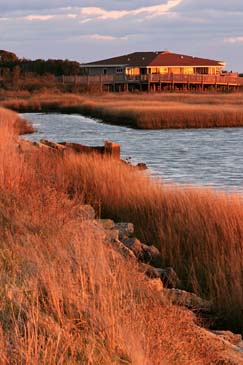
(105, 71)
(119, 70)
(201, 70)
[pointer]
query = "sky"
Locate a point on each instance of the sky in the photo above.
(89, 30)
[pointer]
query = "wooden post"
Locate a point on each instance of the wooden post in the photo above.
(112, 150)
(149, 84)
(101, 84)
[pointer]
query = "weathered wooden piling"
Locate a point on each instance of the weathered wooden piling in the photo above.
(112, 149)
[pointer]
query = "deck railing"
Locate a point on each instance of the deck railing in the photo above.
(225, 79)
(187, 79)
(199, 79)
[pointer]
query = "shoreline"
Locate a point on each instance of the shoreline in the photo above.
(140, 111)
(159, 157)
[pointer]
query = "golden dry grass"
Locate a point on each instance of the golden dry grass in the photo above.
(146, 111)
(11, 123)
(199, 231)
(66, 297)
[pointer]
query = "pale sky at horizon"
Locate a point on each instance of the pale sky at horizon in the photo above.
(87, 30)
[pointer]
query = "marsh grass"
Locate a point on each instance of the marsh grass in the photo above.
(199, 231)
(66, 297)
(11, 123)
(145, 111)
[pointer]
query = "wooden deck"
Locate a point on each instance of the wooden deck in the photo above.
(155, 82)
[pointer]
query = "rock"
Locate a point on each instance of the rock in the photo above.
(107, 223)
(126, 230)
(229, 336)
(106, 226)
(151, 255)
(189, 300)
(141, 166)
(123, 250)
(147, 254)
(43, 147)
(129, 242)
(53, 145)
(149, 271)
(226, 362)
(169, 278)
(134, 244)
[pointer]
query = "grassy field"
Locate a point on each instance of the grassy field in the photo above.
(145, 111)
(199, 231)
(65, 296)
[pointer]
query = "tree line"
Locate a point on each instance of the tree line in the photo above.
(13, 67)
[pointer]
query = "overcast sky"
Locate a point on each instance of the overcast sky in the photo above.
(87, 30)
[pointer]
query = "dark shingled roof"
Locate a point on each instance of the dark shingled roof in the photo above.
(156, 59)
(173, 59)
(132, 59)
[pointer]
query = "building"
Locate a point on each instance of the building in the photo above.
(155, 63)
(155, 71)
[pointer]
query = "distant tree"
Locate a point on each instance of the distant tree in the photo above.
(54, 67)
(16, 73)
(33, 74)
(6, 74)
(6, 56)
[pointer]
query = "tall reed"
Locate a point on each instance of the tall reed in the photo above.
(66, 296)
(199, 231)
(156, 111)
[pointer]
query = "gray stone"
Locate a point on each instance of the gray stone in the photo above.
(142, 166)
(169, 278)
(149, 271)
(147, 254)
(123, 250)
(126, 230)
(151, 255)
(189, 300)
(133, 243)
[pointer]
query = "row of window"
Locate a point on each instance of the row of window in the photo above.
(161, 70)
(119, 70)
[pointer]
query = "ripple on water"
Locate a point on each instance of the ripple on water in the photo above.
(210, 157)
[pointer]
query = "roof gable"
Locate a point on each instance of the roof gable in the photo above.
(173, 59)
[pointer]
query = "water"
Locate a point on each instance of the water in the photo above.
(210, 157)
